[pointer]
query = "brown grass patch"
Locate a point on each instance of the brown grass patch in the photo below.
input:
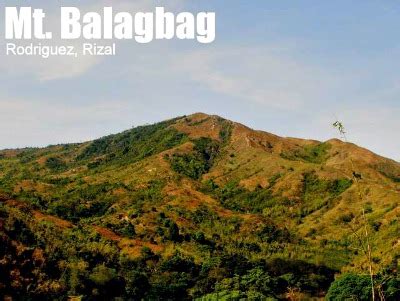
(55, 220)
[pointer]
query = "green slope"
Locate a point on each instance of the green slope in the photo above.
(194, 207)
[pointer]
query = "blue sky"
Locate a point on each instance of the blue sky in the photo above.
(286, 67)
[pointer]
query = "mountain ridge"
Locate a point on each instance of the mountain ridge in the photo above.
(201, 115)
(194, 188)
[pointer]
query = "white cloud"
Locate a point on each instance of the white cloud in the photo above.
(41, 122)
(52, 68)
(260, 75)
(260, 81)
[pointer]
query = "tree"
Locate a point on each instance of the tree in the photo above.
(137, 284)
(364, 243)
(350, 287)
(173, 232)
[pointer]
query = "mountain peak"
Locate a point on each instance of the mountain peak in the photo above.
(195, 193)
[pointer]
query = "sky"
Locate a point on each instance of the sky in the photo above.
(287, 67)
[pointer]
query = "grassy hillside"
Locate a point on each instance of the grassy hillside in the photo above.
(197, 207)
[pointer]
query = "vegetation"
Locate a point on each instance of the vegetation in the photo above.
(200, 161)
(133, 145)
(358, 287)
(318, 193)
(79, 261)
(315, 153)
(197, 208)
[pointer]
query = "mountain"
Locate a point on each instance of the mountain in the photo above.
(196, 207)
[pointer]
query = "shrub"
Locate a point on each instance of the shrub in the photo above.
(235, 197)
(310, 153)
(198, 162)
(346, 217)
(271, 233)
(134, 144)
(318, 192)
(101, 275)
(55, 164)
(189, 165)
(128, 230)
(173, 232)
(137, 284)
(350, 287)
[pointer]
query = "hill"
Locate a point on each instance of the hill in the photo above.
(195, 207)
